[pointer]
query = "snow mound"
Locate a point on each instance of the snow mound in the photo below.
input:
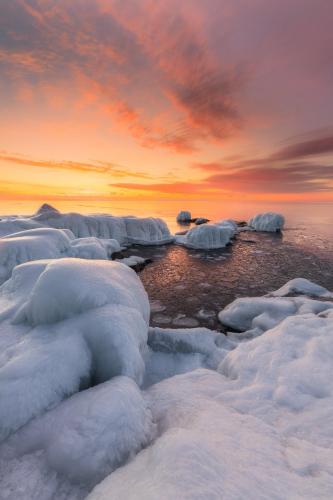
(255, 315)
(269, 221)
(90, 434)
(206, 450)
(184, 216)
(68, 287)
(63, 324)
(288, 365)
(207, 237)
(94, 248)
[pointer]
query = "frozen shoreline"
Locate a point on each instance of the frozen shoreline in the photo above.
(98, 404)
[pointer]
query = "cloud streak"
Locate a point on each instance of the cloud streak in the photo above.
(97, 167)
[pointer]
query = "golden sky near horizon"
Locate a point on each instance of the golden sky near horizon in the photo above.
(148, 99)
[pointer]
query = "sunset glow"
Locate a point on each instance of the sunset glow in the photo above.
(145, 99)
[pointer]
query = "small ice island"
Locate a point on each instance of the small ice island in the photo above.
(96, 404)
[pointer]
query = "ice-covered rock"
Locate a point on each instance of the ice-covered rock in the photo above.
(126, 230)
(147, 231)
(269, 221)
(33, 244)
(90, 434)
(64, 324)
(11, 224)
(175, 351)
(200, 220)
(184, 216)
(207, 237)
(255, 315)
(50, 243)
(228, 223)
(302, 286)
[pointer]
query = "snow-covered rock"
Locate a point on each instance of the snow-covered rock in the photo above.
(302, 286)
(200, 220)
(126, 230)
(90, 434)
(175, 351)
(228, 223)
(64, 324)
(184, 216)
(147, 231)
(207, 237)
(12, 224)
(50, 243)
(255, 315)
(269, 221)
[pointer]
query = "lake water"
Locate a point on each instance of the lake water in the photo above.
(188, 287)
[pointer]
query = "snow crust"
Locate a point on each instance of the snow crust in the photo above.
(208, 449)
(184, 216)
(268, 221)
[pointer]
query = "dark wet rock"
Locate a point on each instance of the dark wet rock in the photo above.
(182, 233)
(141, 265)
(46, 208)
(200, 220)
(241, 223)
(118, 255)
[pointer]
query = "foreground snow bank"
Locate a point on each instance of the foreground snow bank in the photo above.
(126, 230)
(269, 221)
(206, 449)
(90, 434)
(208, 236)
(65, 324)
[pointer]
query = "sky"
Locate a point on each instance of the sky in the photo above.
(166, 99)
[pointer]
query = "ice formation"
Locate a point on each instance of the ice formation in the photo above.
(207, 236)
(255, 315)
(269, 221)
(95, 404)
(64, 324)
(174, 351)
(50, 243)
(126, 230)
(184, 216)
